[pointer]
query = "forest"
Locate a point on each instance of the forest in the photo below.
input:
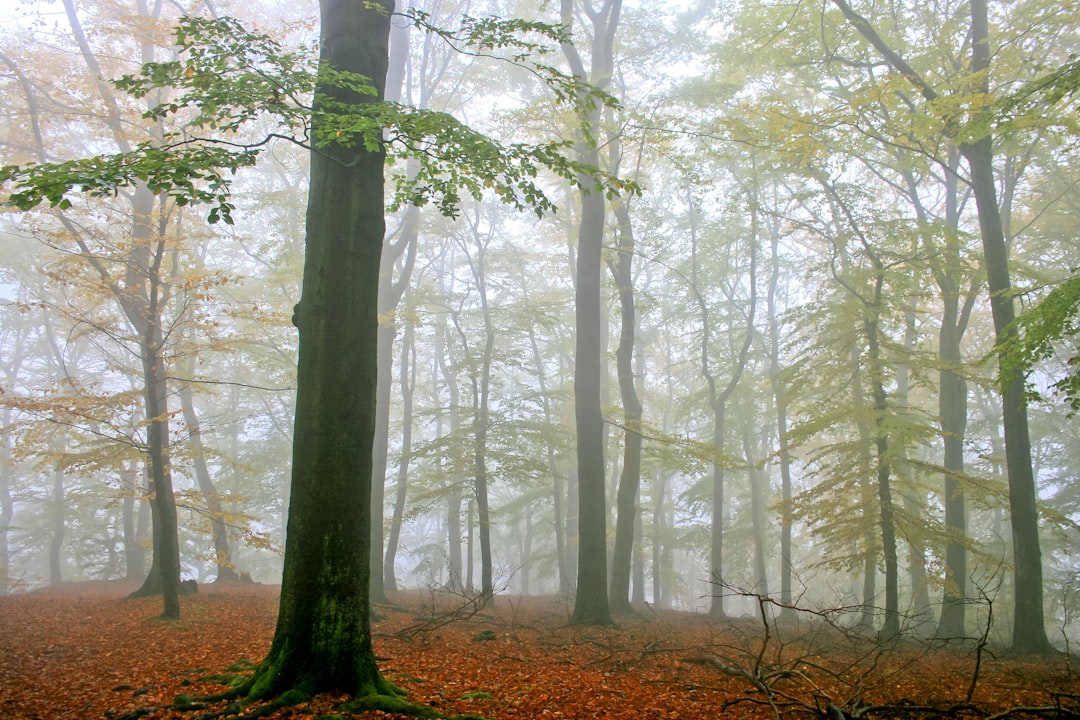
(759, 313)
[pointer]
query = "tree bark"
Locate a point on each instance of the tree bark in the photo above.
(591, 604)
(1029, 628)
(56, 541)
(7, 506)
(223, 560)
(630, 480)
(407, 381)
(783, 451)
(322, 641)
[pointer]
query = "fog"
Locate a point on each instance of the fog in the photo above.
(811, 337)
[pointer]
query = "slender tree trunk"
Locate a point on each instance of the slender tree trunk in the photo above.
(553, 469)
(134, 557)
(453, 493)
(7, 507)
(407, 381)
(482, 420)
(526, 552)
(716, 519)
(637, 594)
(470, 538)
(866, 492)
(759, 492)
(783, 451)
(891, 626)
(453, 530)
(660, 587)
(630, 481)
(166, 537)
(223, 559)
(952, 395)
(56, 541)
(591, 604)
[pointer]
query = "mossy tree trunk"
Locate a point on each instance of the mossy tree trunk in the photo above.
(323, 637)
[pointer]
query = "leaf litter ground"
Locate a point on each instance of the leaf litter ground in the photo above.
(86, 651)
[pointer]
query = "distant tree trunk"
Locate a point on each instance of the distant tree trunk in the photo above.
(659, 564)
(891, 626)
(223, 559)
(783, 451)
(716, 518)
(480, 379)
(953, 406)
(453, 492)
(759, 492)
(453, 530)
(923, 616)
(637, 594)
(141, 296)
(400, 256)
(7, 506)
(952, 394)
(866, 500)
(56, 541)
(526, 552)
(553, 469)
(718, 399)
(630, 481)
(133, 555)
(407, 381)
(482, 420)
(872, 307)
(470, 537)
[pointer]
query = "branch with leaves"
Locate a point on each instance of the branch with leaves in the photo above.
(229, 82)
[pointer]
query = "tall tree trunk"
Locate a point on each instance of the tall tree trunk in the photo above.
(591, 604)
(553, 468)
(399, 255)
(56, 541)
(637, 593)
(718, 398)
(783, 451)
(470, 538)
(891, 626)
(166, 537)
(660, 587)
(482, 421)
(7, 506)
(134, 557)
(323, 637)
(223, 559)
(407, 381)
(455, 581)
(952, 393)
(759, 492)
(866, 504)
(630, 481)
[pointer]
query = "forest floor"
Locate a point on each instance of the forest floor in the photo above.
(85, 651)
